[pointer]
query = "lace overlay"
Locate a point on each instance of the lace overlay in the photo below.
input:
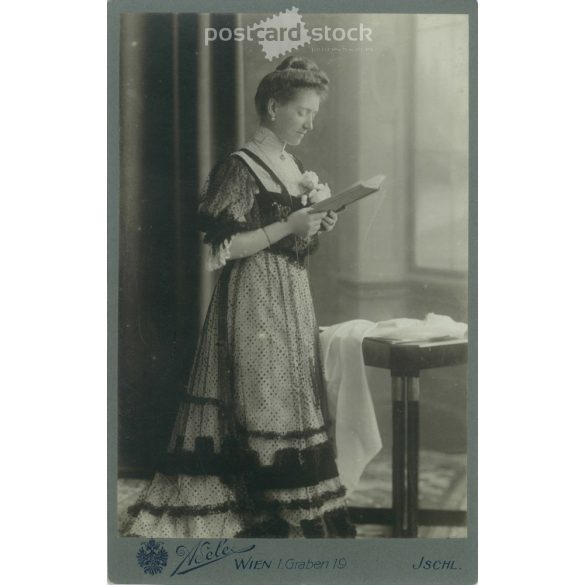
(229, 191)
(250, 452)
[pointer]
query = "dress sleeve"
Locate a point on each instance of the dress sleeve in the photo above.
(224, 207)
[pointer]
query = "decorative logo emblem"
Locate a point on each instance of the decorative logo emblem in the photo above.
(282, 33)
(152, 557)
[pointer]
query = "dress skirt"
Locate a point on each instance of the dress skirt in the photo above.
(250, 453)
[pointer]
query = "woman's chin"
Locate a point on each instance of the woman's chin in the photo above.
(296, 140)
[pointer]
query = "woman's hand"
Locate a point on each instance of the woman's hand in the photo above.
(329, 221)
(303, 223)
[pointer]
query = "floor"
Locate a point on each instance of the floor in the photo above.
(442, 485)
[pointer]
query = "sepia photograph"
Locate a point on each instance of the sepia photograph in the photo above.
(286, 200)
(293, 264)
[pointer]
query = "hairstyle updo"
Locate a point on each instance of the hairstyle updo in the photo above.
(293, 74)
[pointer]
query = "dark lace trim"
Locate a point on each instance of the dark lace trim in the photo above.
(291, 468)
(339, 523)
(286, 435)
(179, 511)
(333, 524)
(303, 503)
(271, 506)
(314, 528)
(219, 228)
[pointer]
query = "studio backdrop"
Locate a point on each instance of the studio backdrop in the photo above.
(397, 106)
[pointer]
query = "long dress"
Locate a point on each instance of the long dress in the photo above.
(251, 454)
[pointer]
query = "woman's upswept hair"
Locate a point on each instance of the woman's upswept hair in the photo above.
(293, 74)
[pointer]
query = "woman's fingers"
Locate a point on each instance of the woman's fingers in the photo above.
(316, 218)
(329, 221)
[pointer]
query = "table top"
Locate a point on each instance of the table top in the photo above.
(408, 359)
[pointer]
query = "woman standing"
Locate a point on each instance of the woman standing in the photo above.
(251, 453)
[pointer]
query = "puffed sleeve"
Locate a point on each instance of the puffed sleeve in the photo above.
(224, 207)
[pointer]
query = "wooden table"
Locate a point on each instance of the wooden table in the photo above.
(405, 362)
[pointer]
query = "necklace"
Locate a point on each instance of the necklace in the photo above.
(268, 155)
(281, 156)
(283, 171)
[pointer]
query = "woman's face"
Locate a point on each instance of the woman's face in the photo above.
(293, 119)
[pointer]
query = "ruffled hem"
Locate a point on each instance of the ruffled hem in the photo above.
(171, 508)
(291, 467)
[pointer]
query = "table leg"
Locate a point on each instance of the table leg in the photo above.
(398, 454)
(412, 455)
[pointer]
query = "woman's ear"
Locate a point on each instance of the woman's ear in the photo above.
(271, 108)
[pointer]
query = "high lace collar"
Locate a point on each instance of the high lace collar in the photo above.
(266, 145)
(268, 141)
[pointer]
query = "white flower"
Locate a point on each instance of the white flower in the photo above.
(314, 191)
(309, 180)
(319, 193)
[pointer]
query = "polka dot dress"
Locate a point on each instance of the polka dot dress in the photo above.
(250, 453)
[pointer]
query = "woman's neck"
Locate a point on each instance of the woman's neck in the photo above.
(269, 141)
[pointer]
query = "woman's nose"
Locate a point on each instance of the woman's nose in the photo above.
(308, 124)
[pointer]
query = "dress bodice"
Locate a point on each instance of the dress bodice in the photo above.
(250, 190)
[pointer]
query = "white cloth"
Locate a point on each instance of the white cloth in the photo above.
(357, 437)
(432, 328)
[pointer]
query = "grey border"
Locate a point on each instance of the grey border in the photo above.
(370, 561)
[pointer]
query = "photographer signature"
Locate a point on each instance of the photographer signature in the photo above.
(205, 553)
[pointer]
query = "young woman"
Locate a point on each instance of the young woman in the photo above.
(251, 453)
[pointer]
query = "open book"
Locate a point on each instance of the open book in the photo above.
(352, 194)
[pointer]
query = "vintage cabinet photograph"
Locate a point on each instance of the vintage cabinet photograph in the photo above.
(292, 311)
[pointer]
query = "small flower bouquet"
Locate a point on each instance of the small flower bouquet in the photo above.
(314, 191)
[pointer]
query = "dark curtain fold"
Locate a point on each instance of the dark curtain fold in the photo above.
(180, 111)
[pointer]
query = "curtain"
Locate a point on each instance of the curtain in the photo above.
(181, 110)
